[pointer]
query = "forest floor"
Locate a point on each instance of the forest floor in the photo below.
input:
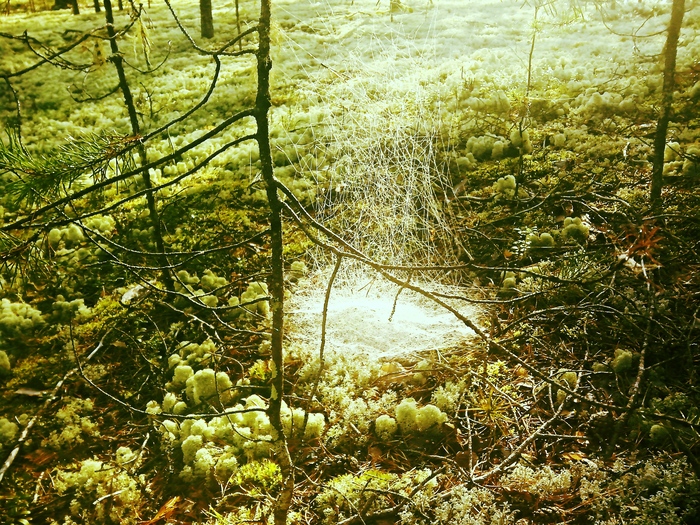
(537, 360)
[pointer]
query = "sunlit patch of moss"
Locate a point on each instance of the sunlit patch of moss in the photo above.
(258, 477)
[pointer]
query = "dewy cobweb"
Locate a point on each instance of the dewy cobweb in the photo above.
(383, 194)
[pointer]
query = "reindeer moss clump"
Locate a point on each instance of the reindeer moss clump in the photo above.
(104, 491)
(256, 293)
(385, 427)
(544, 482)
(410, 418)
(509, 281)
(505, 187)
(213, 449)
(5, 365)
(17, 318)
(8, 432)
(75, 425)
(472, 506)
(64, 311)
(195, 291)
(543, 240)
(447, 397)
(624, 361)
(575, 229)
(521, 140)
(207, 386)
(663, 490)
(370, 490)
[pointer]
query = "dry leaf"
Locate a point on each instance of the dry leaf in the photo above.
(165, 511)
(574, 456)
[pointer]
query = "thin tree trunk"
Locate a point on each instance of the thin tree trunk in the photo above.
(238, 25)
(118, 62)
(97, 6)
(75, 7)
(207, 18)
(276, 279)
(670, 52)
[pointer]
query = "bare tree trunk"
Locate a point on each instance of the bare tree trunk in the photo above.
(276, 279)
(97, 6)
(238, 25)
(207, 18)
(670, 52)
(118, 62)
(74, 7)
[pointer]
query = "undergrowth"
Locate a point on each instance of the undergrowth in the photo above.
(578, 404)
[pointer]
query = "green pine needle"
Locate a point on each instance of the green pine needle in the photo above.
(51, 174)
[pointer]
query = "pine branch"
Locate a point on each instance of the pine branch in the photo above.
(46, 175)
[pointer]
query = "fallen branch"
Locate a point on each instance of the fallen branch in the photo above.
(513, 456)
(345, 249)
(634, 391)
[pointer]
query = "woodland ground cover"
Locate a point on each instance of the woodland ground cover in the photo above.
(502, 149)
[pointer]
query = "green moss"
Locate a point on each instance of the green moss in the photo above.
(8, 432)
(411, 419)
(624, 361)
(259, 477)
(575, 229)
(18, 317)
(385, 427)
(5, 366)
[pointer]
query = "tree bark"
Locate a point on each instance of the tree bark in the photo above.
(207, 18)
(97, 6)
(238, 25)
(670, 53)
(118, 62)
(75, 7)
(276, 279)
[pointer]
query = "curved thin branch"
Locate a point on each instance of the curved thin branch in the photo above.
(25, 222)
(222, 50)
(492, 344)
(44, 59)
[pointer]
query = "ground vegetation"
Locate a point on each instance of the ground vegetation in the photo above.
(350, 262)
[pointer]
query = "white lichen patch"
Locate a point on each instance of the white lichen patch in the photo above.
(369, 319)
